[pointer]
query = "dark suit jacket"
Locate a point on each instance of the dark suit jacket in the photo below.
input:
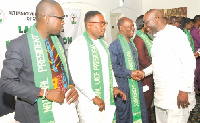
(17, 79)
(123, 109)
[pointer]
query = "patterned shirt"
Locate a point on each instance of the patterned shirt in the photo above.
(56, 68)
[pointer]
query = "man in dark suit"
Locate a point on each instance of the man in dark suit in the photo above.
(125, 64)
(35, 69)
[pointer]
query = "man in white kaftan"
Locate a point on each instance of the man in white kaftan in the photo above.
(173, 66)
(80, 68)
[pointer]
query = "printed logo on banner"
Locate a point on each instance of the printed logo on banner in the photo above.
(73, 18)
(2, 16)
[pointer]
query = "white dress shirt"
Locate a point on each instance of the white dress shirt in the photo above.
(173, 65)
(79, 65)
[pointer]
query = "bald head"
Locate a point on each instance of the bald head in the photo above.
(49, 18)
(153, 19)
(121, 21)
(155, 12)
(46, 7)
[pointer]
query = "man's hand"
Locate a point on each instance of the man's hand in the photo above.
(137, 75)
(99, 102)
(72, 95)
(56, 95)
(117, 91)
(140, 74)
(182, 99)
(196, 54)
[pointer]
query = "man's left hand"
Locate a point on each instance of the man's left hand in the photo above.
(72, 96)
(118, 91)
(182, 99)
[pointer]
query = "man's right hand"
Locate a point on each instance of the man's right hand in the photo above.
(99, 102)
(56, 95)
(140, 74)
(137, 75)
(182, 99)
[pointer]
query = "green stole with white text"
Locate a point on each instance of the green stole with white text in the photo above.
(42, 70)
(96, 68)
(133, 85)
(190, 39)
(146, 40)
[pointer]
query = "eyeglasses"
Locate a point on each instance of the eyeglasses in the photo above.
(145, 22)
(129, 27)
(61, 18)
(102, 23)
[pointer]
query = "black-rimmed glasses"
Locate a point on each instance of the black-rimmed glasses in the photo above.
(102, 23)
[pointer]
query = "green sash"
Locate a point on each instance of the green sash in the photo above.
(189, 39)
(133, 85)
(42, 70)
(96, 68)
(146, 40)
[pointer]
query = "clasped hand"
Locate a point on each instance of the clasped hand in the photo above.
(137, 75)
(57, 95)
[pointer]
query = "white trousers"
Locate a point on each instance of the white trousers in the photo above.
(172, 116)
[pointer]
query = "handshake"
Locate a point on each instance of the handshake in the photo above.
(137, 75)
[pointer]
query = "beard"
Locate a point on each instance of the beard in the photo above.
(101, 36)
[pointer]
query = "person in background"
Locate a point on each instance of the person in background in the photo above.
(167, 20)
(143, 45)
(195, 32)
(175, 21)
(35, 69)
(192, 21)
(173, 66)
(125, 64)
(91, 70)
(186, 26)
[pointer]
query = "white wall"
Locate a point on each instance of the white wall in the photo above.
(193, 6)
(131, 9)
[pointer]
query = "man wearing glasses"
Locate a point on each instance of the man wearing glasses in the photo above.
(125, 64)
(91, 69)
(173, 66)
(35, 69)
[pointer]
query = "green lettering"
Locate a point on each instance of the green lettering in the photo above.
(67, 40)
(19, 28)
(7, 42)
(26, 29)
